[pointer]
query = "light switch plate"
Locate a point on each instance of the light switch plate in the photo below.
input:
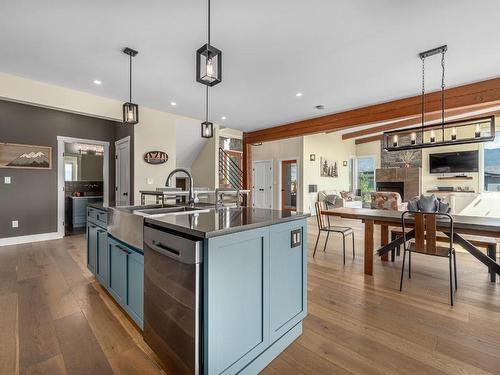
(296, 238)
(15, 224)
(6, 180)
(150, 181)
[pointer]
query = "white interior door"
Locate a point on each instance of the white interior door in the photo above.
(122, 169)
(262, 188)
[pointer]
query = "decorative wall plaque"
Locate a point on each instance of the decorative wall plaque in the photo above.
(155, 157)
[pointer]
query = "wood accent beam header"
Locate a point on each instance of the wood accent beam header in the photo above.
(464, 96)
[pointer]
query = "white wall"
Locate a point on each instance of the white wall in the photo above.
(281, 150)
(334, 148)
(205, 167)
(370, 149)
(156, 129)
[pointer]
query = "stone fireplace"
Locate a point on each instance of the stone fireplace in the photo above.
(405, 181)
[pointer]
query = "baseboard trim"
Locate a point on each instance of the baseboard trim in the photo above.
(31, 238)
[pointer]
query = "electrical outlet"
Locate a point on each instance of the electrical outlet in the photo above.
(6, 180)
(150, 181)
(15, 224)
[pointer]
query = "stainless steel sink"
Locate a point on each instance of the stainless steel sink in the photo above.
(168, 210)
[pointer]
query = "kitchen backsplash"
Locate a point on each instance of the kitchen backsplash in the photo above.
(93, 187)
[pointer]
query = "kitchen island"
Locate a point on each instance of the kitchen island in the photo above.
(216, 291)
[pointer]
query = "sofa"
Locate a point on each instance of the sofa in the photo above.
(336, 199)
(386, 200)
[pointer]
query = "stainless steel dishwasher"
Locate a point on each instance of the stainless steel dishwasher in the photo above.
(172, 299)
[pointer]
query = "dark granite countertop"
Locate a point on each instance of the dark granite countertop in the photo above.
(217, 222)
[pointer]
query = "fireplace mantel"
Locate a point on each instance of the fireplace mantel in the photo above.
(410, 177)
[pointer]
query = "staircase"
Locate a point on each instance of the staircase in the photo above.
(230, 174)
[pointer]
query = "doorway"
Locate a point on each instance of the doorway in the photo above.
(122, 171)
(289, 184)
(82, 179)
(262, 189)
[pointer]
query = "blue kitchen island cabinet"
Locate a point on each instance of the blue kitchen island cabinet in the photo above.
(255, 296)
(97, 238)
(126, 278)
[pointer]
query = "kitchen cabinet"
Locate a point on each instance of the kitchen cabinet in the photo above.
(255, 294)
(91, 247)
(102, 254)
(287, 278)
(126, 278)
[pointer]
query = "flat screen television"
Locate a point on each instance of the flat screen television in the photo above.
(454, 162)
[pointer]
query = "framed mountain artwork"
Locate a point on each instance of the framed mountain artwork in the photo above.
(25, 156)
(328, 168)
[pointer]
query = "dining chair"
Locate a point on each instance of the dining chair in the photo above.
(424, 241)
(325, 226)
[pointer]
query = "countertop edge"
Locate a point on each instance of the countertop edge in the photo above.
(222, 232)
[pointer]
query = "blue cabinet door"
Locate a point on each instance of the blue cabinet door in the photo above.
(135, 287)
(117, 271)
(91, 247)
(236, 297)
(288, 301)
(101, 269)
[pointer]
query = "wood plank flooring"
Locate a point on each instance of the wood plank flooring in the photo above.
(56, 319)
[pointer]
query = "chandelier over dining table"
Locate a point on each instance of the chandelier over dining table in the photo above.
(445, 133)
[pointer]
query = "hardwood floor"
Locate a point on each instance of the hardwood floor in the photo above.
(56, 319)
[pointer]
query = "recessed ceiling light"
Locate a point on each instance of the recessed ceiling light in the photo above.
(299, 94)
(223, 117)
(97, 82)
(173, 104)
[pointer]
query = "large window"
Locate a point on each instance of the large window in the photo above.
(365, 173)
(492, 165)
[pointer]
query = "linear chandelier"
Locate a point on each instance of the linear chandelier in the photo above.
(446, 133)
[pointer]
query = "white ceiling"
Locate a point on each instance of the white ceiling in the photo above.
(342, 54)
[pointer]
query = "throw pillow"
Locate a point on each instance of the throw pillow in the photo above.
(428, 204)
(444, 208)
(346, 195)
(413, 205)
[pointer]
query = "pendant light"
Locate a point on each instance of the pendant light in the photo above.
(130, 110)
(209, 61)
(209, 73)
(207, 128)
(470, 129)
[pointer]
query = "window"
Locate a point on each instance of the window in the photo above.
(68, 172)
(365, 173)
(492, 165)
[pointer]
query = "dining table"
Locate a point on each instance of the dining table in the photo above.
(462, 225)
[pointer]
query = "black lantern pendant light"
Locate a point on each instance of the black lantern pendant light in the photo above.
(209, 73)
(130, 110)
(209, 61)
(474, 130)
(207, 128)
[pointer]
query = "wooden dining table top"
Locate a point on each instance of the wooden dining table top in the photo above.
(482, 226)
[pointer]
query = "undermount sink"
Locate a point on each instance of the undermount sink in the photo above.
(170, 210)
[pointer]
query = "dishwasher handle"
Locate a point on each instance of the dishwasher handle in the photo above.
(181, 249)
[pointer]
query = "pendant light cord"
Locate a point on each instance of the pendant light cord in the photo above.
(423, 95)
(442, 87)
(130, 80)
(208, 23)
(206, 107)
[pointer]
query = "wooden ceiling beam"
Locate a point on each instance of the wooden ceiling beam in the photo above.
(456, 97)
(373, 138)
(417, 120)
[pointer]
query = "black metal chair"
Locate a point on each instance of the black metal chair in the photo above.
(425, 240)
(324, 226)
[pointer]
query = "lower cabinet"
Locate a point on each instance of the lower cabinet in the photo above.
(255, 293)
(102, 254)
(91, 247)
(126, 278)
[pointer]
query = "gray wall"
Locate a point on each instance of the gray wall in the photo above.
(31, 197)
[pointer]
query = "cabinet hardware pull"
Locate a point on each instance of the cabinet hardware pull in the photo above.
(124, 250)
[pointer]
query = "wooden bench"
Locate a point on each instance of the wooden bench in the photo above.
(489, 244)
